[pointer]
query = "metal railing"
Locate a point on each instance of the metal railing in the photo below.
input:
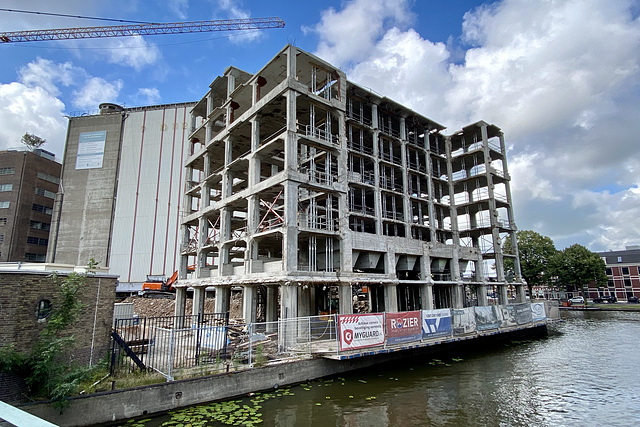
(322, 134)
(162, 343)
(359, 118)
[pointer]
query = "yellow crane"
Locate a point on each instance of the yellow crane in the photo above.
(142, 29)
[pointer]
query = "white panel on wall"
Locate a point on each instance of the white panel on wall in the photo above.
(161, 177)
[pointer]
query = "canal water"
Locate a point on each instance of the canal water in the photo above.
(585, 373)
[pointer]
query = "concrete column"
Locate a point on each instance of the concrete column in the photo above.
(291, 142)
(458, 295)
(290, 231)
(374, 120)
(180, 306)
(391, 298)
(521, 294)
(503, 297)
(208, 132)
(346, 249)
(201, 256)
(481, 294)
(231, 83)
(426, 296)
(184, 259)
(272, 304)
(198, 301)
(223, 299)
(254, 160)
(304, 301)
(292, 51)
(228, 150)
(289, 300)
(345, 299)
(249, 299)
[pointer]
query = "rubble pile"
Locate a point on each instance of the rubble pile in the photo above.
(163, 307)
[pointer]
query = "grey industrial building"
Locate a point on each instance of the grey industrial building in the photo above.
(120, 194)
(308, 192)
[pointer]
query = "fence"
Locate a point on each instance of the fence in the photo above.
(164, 343)
(212, 345)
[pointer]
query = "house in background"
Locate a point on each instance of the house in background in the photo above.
(623, 273)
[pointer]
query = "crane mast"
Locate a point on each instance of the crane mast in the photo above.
(142, 29)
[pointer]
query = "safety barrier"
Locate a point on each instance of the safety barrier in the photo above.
(215, 346)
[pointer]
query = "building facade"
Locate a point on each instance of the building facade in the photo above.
(312, 193)
(28, 186)
(120, 195)
(623, 273)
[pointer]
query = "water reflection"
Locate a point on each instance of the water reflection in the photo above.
(587, 372)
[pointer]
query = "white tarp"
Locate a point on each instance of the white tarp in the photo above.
(464, 320)
(538, 312)
(486, 317)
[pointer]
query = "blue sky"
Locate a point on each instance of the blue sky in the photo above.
(561, 78)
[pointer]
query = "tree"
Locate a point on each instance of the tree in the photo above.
(535, 253)
(32, 141)
(576, 266)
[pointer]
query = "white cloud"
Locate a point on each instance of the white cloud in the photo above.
(349, 35)
(560, 79)
(133, 52)
(96, 91)
(179, 7)
(523, 170)
(34, 110)
(147, 96)
(46, 74)
(234, 9)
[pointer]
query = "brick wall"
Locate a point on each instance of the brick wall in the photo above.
(20, 294)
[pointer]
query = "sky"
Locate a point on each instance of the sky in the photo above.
(561, 78)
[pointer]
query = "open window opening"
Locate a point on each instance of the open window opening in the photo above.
(388, 122)
(359, 109)
(318, 210)
(361, 170)
(359, 139)
(318, 252)
(390, 151)
(391, 178)
(320, 165)
(317, 122)
(361, 200)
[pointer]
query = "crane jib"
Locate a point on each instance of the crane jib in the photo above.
(142, 29)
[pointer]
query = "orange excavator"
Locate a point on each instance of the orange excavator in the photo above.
(159, 286)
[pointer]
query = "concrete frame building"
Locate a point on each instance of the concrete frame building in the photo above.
(28, 186)
(307, 190)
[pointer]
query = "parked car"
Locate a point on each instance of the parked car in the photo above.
(576, 300)
(633, 299)
(608, 299)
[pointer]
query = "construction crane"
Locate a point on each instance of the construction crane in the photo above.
(142, 29)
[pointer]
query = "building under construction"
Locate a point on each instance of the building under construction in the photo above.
(312, 194)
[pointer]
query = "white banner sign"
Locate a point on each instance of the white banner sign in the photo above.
(91, 150)
(360, 330)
